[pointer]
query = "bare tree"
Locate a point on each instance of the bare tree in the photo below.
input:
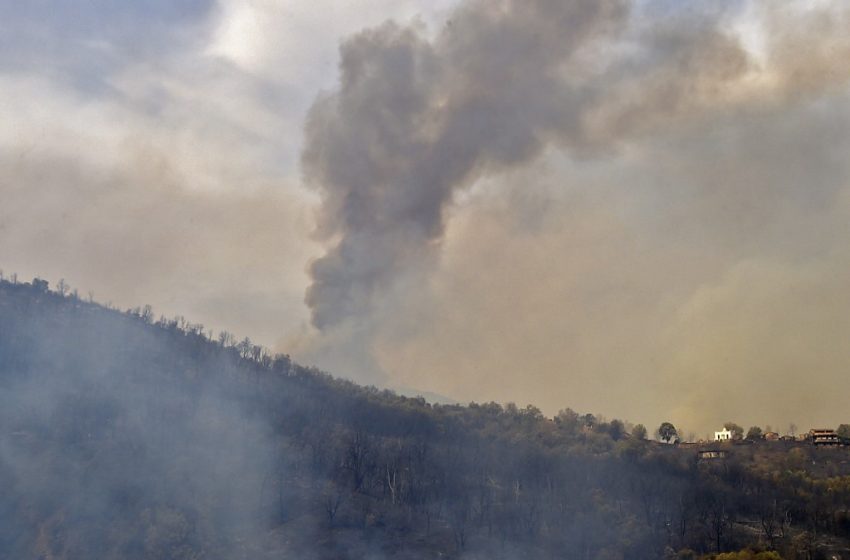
(332, 498)
(357, 459)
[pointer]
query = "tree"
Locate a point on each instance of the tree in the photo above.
(667, 432)
(567, 420)
(639, 431)
(40, 285)
(844, 430)
(357, 459)
(737, 431)
(754, 433)
(749, 555)
(616, 429)
(332, 497)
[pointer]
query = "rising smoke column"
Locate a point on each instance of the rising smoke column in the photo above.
(415, 120)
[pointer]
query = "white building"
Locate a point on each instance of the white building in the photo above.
(723, 435)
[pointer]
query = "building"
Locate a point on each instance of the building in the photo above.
(711, 454)
(723, 435)
(771, 436)
(824, 437)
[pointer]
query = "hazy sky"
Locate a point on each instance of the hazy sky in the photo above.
(637, 209)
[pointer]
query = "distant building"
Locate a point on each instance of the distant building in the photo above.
(723, 435)
(771, 436)
(711, 454)
(824, 437)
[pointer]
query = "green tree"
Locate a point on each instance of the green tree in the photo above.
(639, 431)
(737, 431)
(667, 432)
(567, 420)
(616, 429)
(748, 555)
(844, 430)
(754, 433)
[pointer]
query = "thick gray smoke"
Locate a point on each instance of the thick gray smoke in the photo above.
(414, 120)
(663, 103)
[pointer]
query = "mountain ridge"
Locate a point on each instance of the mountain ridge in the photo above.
(126, 437)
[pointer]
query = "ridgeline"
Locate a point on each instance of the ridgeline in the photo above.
(126, 437)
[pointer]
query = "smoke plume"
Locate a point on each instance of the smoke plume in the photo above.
(415, 120)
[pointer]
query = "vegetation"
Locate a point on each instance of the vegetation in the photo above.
(123, 436)
(667, 432)
(737, 431)
(754, 433)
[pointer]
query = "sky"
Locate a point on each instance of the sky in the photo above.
(637, 209)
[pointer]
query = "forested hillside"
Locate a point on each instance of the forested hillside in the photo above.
(127, 437)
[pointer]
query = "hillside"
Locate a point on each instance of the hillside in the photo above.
(125, 437)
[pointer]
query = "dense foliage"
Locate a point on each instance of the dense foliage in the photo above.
(126, 437)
